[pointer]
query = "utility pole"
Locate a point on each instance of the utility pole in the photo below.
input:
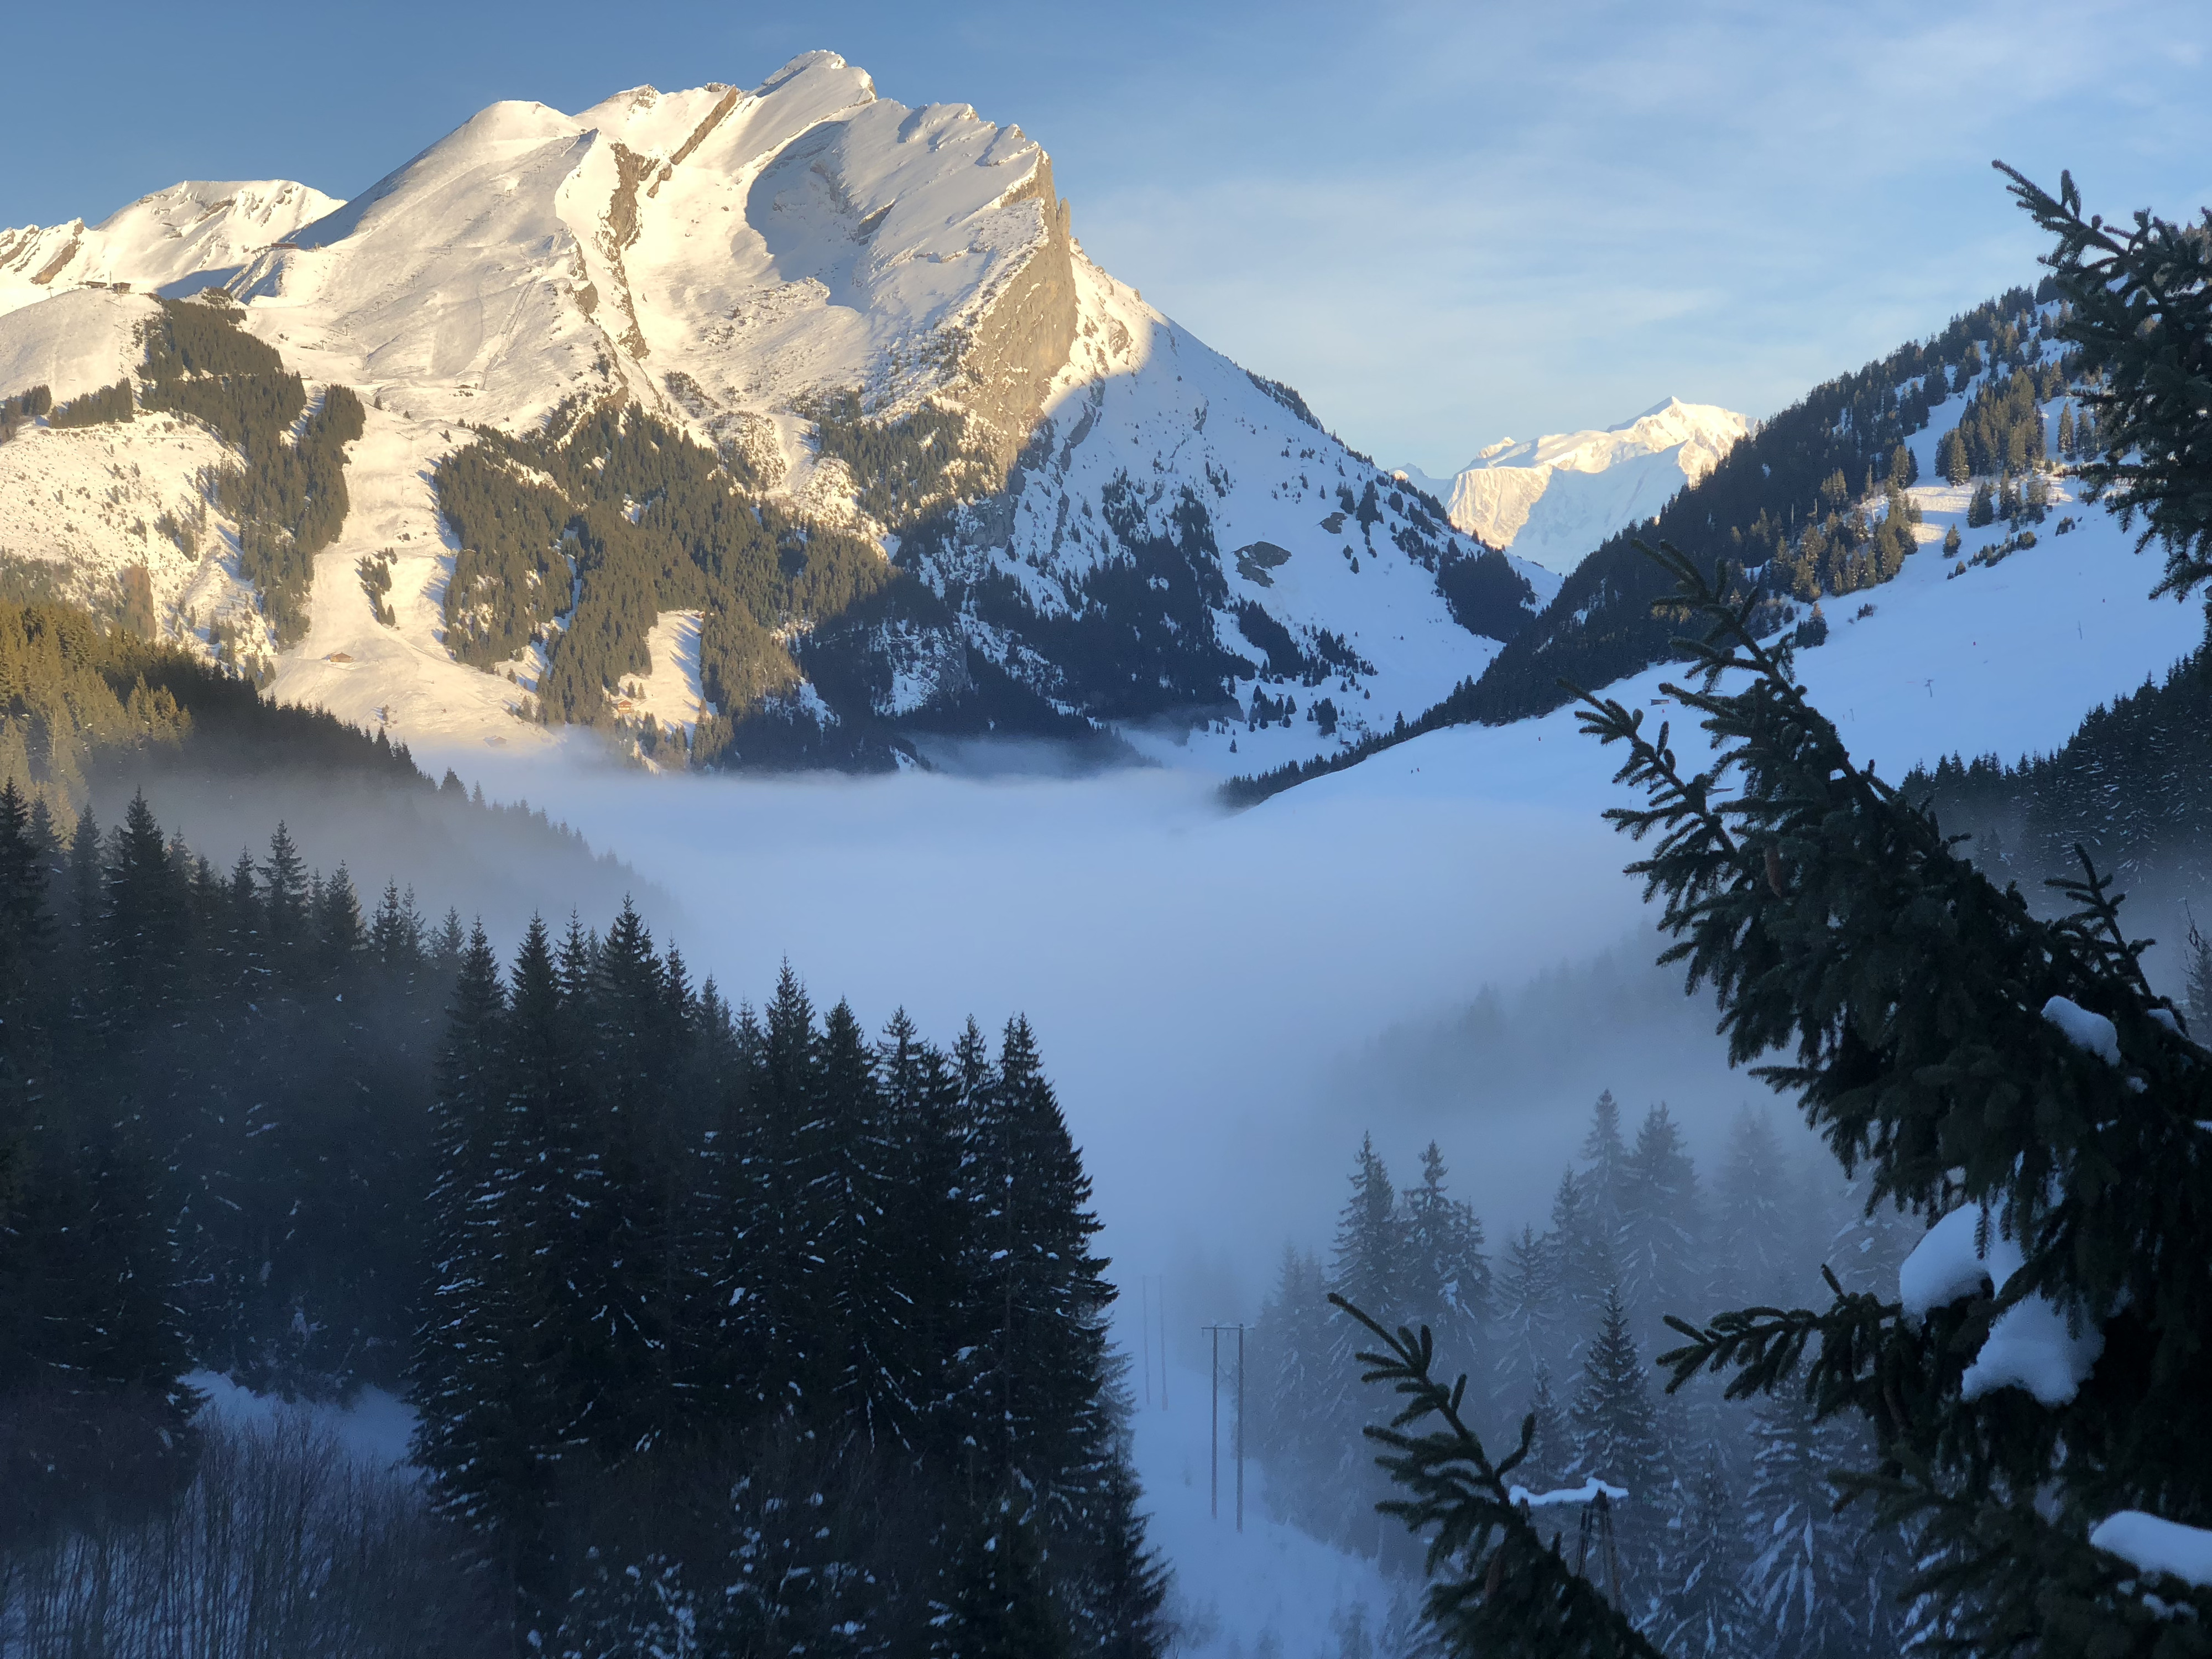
(1214, 1449)
(1238, 1444)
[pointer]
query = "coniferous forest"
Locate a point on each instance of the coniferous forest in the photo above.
(740, 1323)
(1727, 1541)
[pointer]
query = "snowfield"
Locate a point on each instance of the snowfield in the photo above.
(87, 503)
(399, 678)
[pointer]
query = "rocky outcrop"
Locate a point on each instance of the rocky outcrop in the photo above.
(1022, 341)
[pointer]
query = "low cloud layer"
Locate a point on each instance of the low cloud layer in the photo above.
(1226, 1002)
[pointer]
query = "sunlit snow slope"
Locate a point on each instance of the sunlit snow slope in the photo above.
(2004, 660)
(1553, 500)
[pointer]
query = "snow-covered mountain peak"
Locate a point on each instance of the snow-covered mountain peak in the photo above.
(879, 315)
(1513, 493)
(720, 254)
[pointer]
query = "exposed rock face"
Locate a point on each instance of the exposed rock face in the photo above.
(1022, 341)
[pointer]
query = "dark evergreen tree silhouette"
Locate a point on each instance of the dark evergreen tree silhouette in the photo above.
(1618, 1439)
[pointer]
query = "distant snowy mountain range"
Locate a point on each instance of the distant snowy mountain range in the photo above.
(1553, 500)
(881, 317)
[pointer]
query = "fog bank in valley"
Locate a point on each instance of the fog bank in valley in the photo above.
(1225, 1001)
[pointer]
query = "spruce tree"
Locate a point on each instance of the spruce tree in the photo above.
(396, 940)
(1754, 1227)
(1370, 1266)
(1125, 1584)
(1447, 1271)
(26, 943)
(930, 1216)
(284, 904)
(146, 921)
(1551, 1451)
(1661, 1260)
(1000, 1604)
(852, 1165)
(2197, 968)
(1952, 460)
(1618, 1439)
(1582, 1246)
(1527, 1329)
(1605, 1165)
(464, 1386)
(1704, 1612)
(530, 1200)
(1815, 1586)
(624, 1155)
(769, 1239)
(1300, 1405)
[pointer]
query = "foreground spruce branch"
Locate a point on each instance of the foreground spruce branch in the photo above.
(1933, 1030)
(1495, 1587)
(2139, 309)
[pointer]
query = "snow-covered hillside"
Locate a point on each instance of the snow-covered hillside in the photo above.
(1553, 500)
(1109, 519)
(2003, 658)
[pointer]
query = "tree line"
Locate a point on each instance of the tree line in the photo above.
(606, 520)
(27, 405)
(288, 493)
(2133, 785)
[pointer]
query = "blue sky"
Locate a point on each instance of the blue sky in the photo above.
(1443, 223)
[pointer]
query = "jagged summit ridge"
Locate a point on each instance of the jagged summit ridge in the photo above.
(1552, 500)
(749, 250)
